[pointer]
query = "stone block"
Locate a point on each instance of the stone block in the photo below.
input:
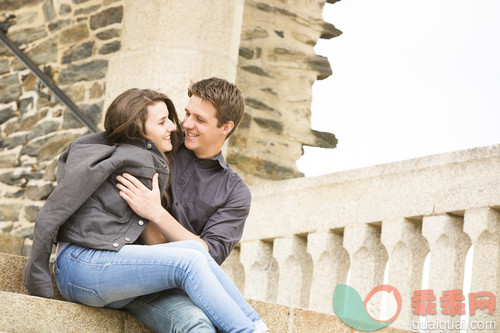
(307, 321)
(10, 89)
(28, 35)
(78, 52)
(7, 113)
(74, 34)
(58, 25)
(275, 316)
(111, 47)
(45, 52)
(9, 211)
(4, 66)
(12, 274)
(11, 244)
(106, 17)
(93, 70)
(9, 158)
(22, 313)
(88, 10)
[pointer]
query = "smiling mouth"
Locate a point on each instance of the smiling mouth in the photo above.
(192, 135)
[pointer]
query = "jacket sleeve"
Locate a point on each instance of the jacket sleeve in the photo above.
(81, 169)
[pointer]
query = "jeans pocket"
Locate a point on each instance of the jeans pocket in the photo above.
(85, 296)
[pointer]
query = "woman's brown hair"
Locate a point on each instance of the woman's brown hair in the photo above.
(126, 117)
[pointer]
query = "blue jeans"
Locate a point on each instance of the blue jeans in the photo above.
(170, 311)
(113, 279)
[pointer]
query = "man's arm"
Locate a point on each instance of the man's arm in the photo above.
(224, 228)
(147, 204)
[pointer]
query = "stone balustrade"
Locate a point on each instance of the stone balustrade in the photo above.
(304, 236)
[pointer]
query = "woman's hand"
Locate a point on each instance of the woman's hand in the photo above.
(147, 204)
(143, 201)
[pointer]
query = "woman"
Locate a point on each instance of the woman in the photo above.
(99, 262)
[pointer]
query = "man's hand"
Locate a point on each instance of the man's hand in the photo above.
(143, 201)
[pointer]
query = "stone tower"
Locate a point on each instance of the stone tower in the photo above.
(277, 67)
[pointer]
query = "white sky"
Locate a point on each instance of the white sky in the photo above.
(410, 79)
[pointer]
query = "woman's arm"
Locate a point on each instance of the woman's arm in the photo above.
(147, 204)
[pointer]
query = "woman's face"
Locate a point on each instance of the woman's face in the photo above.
(159, 126)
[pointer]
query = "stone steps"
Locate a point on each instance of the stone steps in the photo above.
(22, 313)
(12, 272)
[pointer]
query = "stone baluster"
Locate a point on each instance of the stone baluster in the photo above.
(368, 257)
(483, 227)
(407, 250)
(234, 269)
(449, 246)
(261, 270)
(295, 271)
(330, 267)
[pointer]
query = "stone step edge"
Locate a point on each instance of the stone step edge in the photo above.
(280, 318)
(12, 274)
(24, 313)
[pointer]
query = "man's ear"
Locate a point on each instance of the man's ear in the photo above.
(227, 127)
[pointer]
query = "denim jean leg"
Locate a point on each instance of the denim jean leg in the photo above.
(223, 278)
(104, 278)
(170, 311)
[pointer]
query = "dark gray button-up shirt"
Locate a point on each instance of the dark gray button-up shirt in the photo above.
(209, 199)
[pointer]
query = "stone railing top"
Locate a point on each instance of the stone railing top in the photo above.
(444, 183)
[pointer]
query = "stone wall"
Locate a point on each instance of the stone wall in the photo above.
(276, 70)
(73, 41)
(94, 49)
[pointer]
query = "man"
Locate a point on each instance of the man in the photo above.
(209, 202)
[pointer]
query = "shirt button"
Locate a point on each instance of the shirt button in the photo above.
(141, 222)
(115, 244)
(149, 145)
(127, 239)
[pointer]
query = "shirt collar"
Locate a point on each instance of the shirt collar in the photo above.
(211, 161)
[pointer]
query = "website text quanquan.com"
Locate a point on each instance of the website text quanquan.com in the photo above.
(443, 326)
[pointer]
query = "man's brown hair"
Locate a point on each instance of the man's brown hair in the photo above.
(225, 97)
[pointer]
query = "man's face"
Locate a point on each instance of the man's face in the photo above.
(203, 136)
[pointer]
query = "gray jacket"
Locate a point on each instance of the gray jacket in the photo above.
(85, 208)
